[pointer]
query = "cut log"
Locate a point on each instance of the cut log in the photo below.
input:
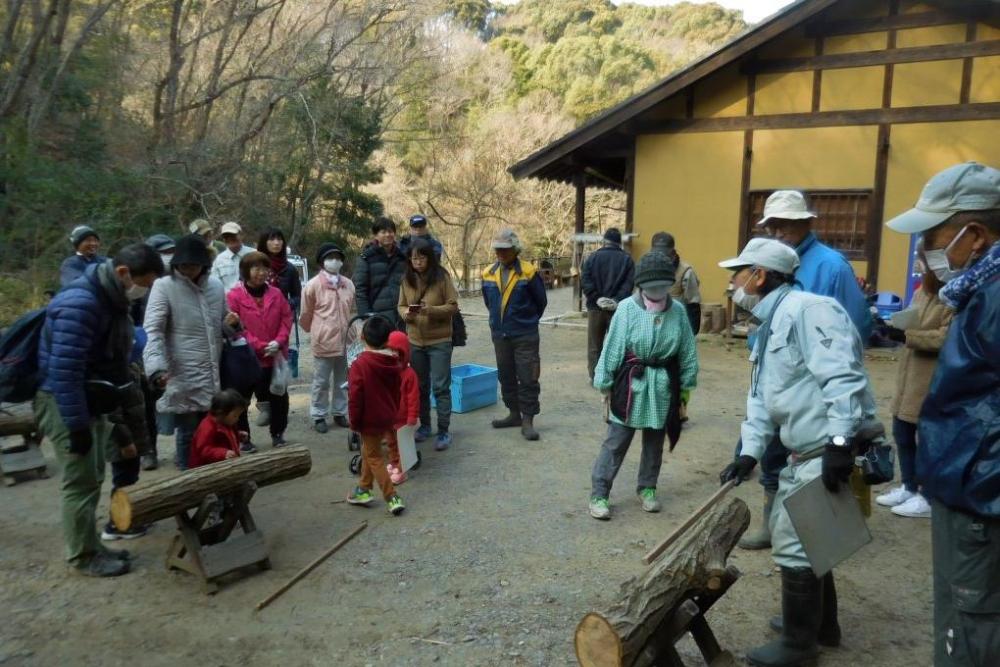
(147, 502)
(695, 562)
(17, 419)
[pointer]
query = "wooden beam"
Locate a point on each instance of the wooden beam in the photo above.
(972, 12)
(970, 36)
(630, 191)
(876, 209)
(817, 78)
(927, 114)
(915, 54)
(743, 216)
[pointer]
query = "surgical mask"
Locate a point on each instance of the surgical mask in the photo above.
(744, 300)
(332, 265)
(136, 292)
(166, 260)
(937, 260)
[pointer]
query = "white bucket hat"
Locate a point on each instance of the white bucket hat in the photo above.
(786, 205)
(769, 254)
(963, 187)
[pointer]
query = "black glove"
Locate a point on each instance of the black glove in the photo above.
(80, 442)
(738, 470)
(838, 462)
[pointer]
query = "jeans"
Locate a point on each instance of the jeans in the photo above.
(187, 424)
(432, 364)
(323, 369)
(772, 461)
(598, 322)
(518, 368)
(613, 451)
(905, 435)
(279, 405)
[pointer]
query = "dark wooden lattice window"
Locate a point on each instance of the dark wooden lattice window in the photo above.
(842, 217)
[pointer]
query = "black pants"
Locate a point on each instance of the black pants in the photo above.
(518, 367)
(124, 472)
(598, 322)
(694, 316)
(150, 396)
(279, 405)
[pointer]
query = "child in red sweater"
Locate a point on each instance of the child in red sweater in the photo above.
(216, 438)
(372, 403)
(409, 403)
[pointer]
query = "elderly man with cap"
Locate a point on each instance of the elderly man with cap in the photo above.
(958, 457)
(418, 230)
(326, 311)
(808, 384)
(86, 243)
(649, 359)
(606, 279)
(226, 266)
(515, 298)
(203, 228)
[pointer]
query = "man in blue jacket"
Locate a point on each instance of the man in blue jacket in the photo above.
(606, 279)
(83, 367)
(515, 298)
(958, 460)
(86, 245)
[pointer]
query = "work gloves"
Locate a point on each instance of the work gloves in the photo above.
(739, 470)
(80, 442)
(838, 462)
(604, 303)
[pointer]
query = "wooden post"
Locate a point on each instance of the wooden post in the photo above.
(580, 182)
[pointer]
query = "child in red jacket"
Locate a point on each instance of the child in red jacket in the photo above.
(216, 438)
(409, 403)
(372, 404)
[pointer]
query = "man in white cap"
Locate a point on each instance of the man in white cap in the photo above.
(958, 459)
(226, 266)
(515, 298)
(824, 271)
(809, 385)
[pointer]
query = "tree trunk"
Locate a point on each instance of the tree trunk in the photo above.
(147, 502)
(696, 562)
(17, 419)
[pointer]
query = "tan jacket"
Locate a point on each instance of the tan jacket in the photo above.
(919, 357)
(433, 324)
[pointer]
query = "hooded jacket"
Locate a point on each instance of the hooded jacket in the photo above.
(263, 321)
(326, 311)
(409, 384)
(373, 399)
(211, 442)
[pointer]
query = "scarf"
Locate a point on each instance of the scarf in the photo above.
(959, 290)
(278, 265)
(119, 342)
(256, 292)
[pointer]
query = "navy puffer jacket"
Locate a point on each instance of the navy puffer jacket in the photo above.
(78, 324)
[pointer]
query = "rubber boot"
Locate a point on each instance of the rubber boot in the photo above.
(528, 427)
(760, 538)
(511, 420)
(829, 627)
(801, 609)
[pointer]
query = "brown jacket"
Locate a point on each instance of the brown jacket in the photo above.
(919, 357)
(433, 324)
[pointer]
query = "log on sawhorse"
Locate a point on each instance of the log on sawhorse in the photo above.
(20, 444)
(204, 544)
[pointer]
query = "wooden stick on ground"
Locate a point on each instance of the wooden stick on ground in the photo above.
(310, 567)
(697, 514)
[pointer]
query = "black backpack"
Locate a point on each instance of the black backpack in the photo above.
(19, 357)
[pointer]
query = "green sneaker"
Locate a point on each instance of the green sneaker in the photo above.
(360, 496)
(599, 508)
(649, 501)
(396, 506)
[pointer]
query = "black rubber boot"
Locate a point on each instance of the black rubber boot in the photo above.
(829, 627)
(760, 538)
(511, 420)
(528, 427)
(801, 609)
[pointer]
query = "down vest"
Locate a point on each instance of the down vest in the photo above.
(184, 324)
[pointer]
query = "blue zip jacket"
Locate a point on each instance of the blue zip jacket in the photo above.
(74, 266)
(826, 272)
(516, 307)
(958, 460)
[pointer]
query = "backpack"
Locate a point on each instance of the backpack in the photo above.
(19, 357)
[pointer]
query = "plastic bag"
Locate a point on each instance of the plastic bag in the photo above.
(281, 375)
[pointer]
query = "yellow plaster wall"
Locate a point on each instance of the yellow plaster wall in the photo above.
(918, 152)
(788, 92)
(866, 41)
(986, 33)
(689, 185)
(928, 83)
(814, 158)
(931, 36)
(721, 94)
(855, 88)
(985, 80)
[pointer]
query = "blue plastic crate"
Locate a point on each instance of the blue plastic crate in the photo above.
(472, 387)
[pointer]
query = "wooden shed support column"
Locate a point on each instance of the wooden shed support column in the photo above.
(579, 210)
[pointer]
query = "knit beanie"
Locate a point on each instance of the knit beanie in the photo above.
(654, 267)
(80, 233)
(326, 249)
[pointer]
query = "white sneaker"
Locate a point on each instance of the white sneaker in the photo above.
(916, 507)
(894, 497)
(599, 508)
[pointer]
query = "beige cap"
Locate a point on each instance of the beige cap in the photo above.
(786, 205)
(769, 254)
(200, 226)
(230, 228)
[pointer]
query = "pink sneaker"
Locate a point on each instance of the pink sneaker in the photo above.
(397, 476)
(391, 469)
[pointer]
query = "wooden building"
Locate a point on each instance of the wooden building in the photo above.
(855, 102)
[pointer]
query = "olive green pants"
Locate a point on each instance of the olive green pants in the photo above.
(966, 552)
(82, 476)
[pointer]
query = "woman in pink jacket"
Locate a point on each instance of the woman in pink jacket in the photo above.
(326, 310)
(267, 320)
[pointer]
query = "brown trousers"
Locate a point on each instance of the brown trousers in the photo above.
(373, 464)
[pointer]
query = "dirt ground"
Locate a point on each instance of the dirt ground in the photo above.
(493, 563)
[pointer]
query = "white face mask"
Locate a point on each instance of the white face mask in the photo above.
(136, 292)
(166, 260)
(937, 261)
(332, 265)
(744, 300)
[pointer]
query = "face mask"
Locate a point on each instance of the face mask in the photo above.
(166, 260)
(136, 292)
(937, 261)
(332, 265)
(744, 300)
(655, 293)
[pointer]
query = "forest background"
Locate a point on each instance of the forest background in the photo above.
(315, 116)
